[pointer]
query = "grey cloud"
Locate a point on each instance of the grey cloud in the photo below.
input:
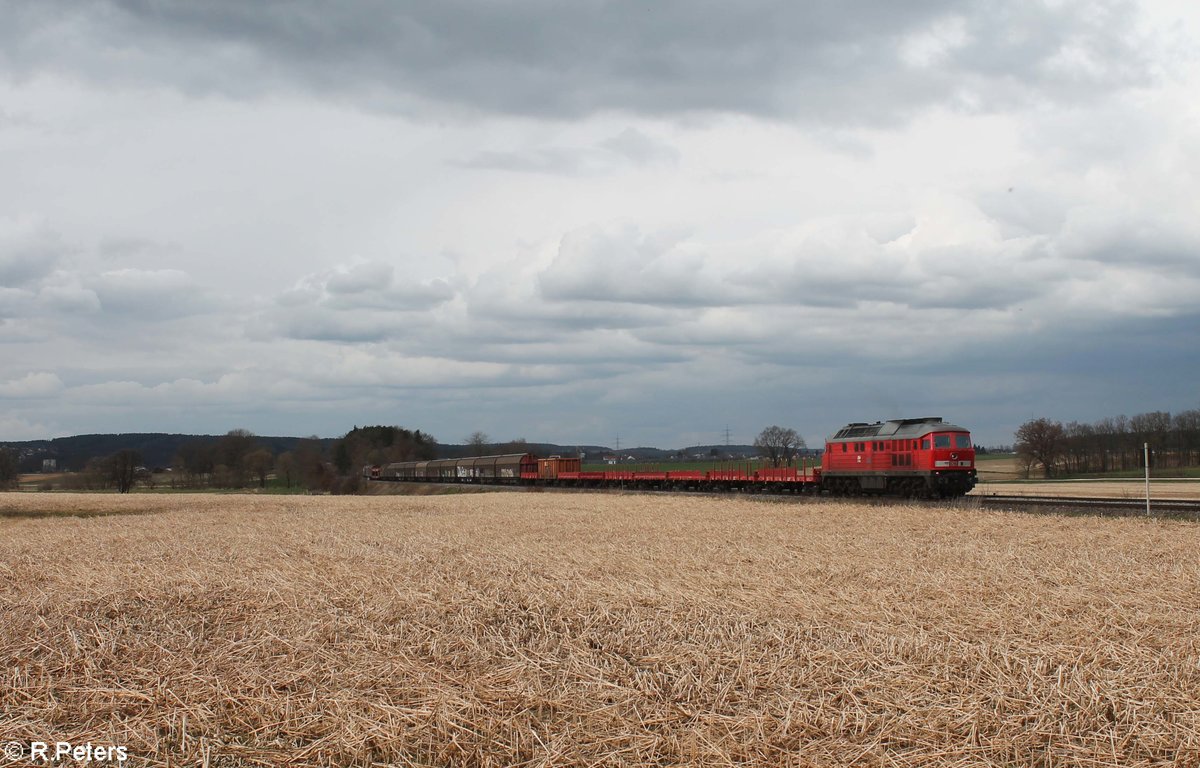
(973, 273)
(359, 278)
(150, 294)
(429, 293)
(549, 160)
(28, 253)
(1098, 352)
(1068, 271)
(10, 119)
(1150, 240)
(70, 299)
(364, 302)
(1057, 48)
(499, 319)
(119, 248)
(369, 285)
(940, 277)
(626, 266)
(641, 149)
(31, 386)
(14, 302)
(299, 296)
(842, 265)
(22, 429)
(317, 324)
(503, 324)
(509, 302)
(629, 147)
(839, 63)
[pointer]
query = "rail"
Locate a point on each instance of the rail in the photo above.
(1182, 509)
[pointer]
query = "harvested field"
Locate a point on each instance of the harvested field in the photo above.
(599, 630)
(998, 468)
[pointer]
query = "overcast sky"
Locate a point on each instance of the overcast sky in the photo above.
(573, 221)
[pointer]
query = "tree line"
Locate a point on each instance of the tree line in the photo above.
(240, 459)
(236, 460)
(1110, 445)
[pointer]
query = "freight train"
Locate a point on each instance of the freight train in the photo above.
(917, 458)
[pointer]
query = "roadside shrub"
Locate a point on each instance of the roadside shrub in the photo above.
(346, 485)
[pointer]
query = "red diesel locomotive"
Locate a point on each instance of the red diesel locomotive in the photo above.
(905, 457)
(919, 458)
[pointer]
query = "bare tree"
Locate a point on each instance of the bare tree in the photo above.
(477, 442)
(314, 472)
(231, 450)
(196, 462)
(1041, 441)
(285, 467)
(8, 468)
(778, 444)
(122, 469)
(258, 463)
(342, 459)
(1187, 428)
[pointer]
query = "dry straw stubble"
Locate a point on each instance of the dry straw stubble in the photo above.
(574, 629)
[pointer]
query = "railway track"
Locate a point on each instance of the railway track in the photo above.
(1182, 509)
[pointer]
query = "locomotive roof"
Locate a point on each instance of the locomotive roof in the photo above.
(896, 428)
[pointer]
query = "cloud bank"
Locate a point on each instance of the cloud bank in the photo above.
(568, 222)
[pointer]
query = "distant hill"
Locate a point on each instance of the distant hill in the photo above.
(160, 449)
(157, 449)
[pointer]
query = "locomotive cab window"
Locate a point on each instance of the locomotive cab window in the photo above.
(962, 441)
(925, 444)
(941, 441)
